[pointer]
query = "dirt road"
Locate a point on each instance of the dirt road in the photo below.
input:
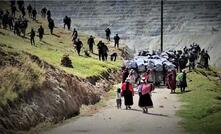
(160, 120)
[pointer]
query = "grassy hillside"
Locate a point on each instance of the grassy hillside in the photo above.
(53, 47)
(16, 79)
(201, 111)
(18, 74)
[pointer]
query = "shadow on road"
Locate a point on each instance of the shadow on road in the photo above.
(158, 114)
(181, 92)
(139, 110)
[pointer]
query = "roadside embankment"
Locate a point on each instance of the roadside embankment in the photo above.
(52, 95)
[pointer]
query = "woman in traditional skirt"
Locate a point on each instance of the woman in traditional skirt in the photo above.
(144, 90)
(128, 92)
(171, 80)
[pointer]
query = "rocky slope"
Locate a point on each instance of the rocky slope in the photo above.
(60, 95)
(138, 21)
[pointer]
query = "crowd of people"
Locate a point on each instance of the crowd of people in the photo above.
(173, 78)
(18, 23)
(102, 48)
(189, 57)
(127, 91)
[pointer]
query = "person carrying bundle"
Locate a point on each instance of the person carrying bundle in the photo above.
(144, 90)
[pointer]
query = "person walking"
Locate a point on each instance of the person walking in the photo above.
(29, 8)
(23, 12)
(99, 47)
(181, 79)
(34, 13)
(10, 22)
(74, 35)
(206, 59)
(16, 28)
(118, 98)
(69, 23)
(144, 90)
(5, 20)
(1, 17)
(90, 43)
(79, 45)
(128, 92)
(104, 50)
(171, 80)
(65, 21)
(21, 4)
(182, 62)
(51, 25)
(32, 37)
(43, 12)
(41, 32)
(13, 10)
(108, 33)
(125, 74)
(116, 41)
(48, 15)
(183, 83)
(191, 61)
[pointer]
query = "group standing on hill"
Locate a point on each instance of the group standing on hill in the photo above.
(101, 46)
(20, 24)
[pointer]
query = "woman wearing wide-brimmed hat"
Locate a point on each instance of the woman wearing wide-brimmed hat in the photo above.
(128, 92)
(144, 90)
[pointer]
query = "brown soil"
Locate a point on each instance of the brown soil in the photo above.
(59, 97)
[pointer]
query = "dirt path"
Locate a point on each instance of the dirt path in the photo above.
(110, 120)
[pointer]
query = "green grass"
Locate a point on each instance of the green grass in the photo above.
(201, 111)
(52, 48)
(17, 79)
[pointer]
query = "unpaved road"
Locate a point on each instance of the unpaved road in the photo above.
(160, 120)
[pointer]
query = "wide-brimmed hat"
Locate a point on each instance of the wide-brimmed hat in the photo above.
(142, 81)
(128, 80)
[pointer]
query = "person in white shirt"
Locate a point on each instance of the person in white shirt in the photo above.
(118, 98)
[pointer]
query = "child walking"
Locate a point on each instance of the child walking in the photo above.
(118, 98)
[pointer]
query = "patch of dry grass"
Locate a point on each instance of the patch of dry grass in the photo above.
(15, 80)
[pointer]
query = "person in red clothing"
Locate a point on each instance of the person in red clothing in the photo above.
(128, 92)
(144, 90)
(171, 80)
(146, 75)
(125, 73)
